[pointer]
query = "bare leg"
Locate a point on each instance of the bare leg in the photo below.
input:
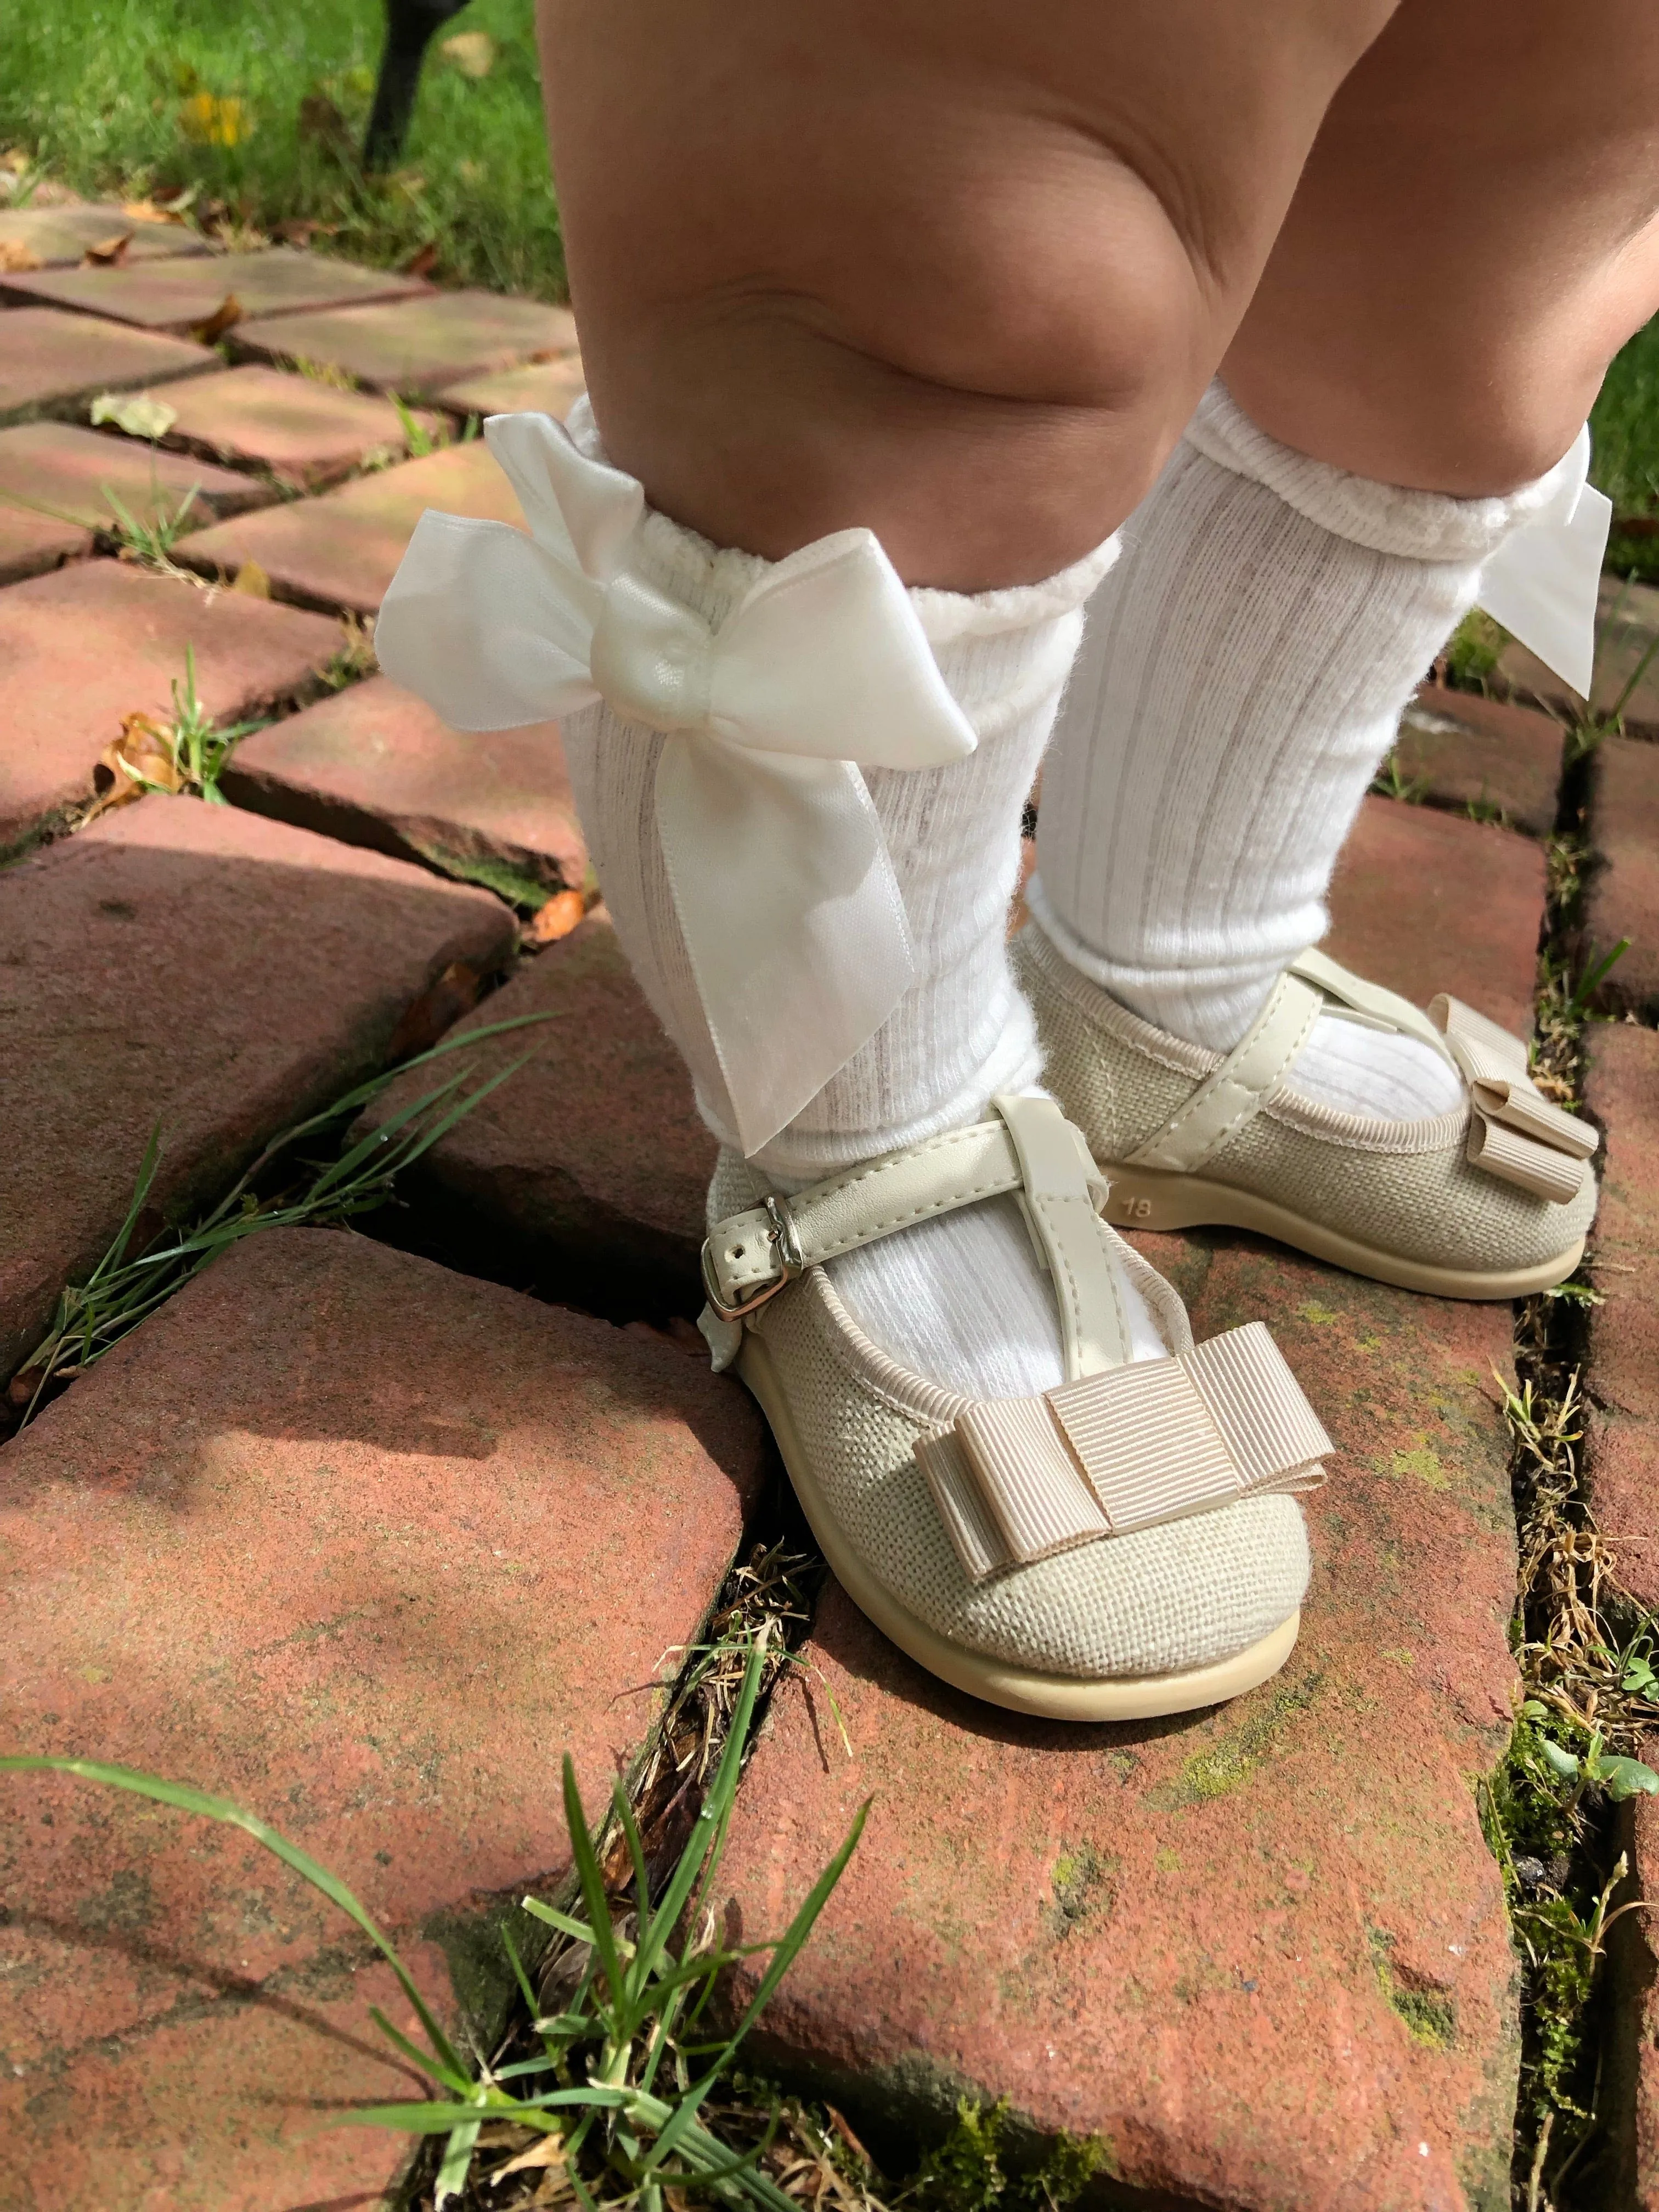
(958, 276)
(1473, 238)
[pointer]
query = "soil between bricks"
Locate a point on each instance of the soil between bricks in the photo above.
(202, 968)
(82, 648)
(365, 1546)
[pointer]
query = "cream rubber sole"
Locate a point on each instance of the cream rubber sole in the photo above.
(1052, 1697)
(1156, 1198)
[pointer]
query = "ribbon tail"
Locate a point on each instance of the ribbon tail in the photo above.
(791, 916)
(485, 626)
(1543, 584)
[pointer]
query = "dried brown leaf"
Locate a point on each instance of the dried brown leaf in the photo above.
(141, 756)
(549, 2151)
(16, 258)
(555, 919)
(443, 1002)
(227, 313)
(252, 581)
(109, 252)
(424, 261)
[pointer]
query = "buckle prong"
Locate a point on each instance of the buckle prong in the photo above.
(784, 1239)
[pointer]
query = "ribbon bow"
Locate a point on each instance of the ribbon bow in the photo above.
(1019, 1478)
(1542, 583)
(1514, 1132)
(779, 874)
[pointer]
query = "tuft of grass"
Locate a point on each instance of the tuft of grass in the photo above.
(1472, 651)
(92, 1317)
(625, 2067)
(259, 114)
(969, 2171)
(1625, 451)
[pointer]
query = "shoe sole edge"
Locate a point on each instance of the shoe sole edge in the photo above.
(1154, 1198)
(997, 1682)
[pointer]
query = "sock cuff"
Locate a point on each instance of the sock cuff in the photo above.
(711, 579)
(1391, 519)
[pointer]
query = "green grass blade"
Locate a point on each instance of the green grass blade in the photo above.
(185, 1799)
(115, 1255)
(459, 2083)
(715, 1806)
(436, 2119)
(458, 1112)
(563, 1921)
(783, 1958)
(593, 1897)
(457, 2162)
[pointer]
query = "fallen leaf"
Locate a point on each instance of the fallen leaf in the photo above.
(16, 257)
(111, 253)
(550, 2151)
(425, 1019)
(228, 311)
(252, 581)
(141, 756)
(472, 52)
(423, 263)
(149, 212)
(140, 414)
(555, 919)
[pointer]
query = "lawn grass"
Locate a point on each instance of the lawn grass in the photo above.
(261, 108)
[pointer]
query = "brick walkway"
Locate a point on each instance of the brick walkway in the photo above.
(366, 1541)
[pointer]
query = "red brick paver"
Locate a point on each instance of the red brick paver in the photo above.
(200, 967)
(543, 387)
(70, 472)
(365, 1546)
(60, 236)
(342, 549)
(375, 766)
(50, 361)
(81, 649)
(1622, 898)
(419, 344)
(1260, 1953)
(177, 296)
(1487, 755)
(306, 433)
(586, 1174)
(1622, 1092)
(1471, 923)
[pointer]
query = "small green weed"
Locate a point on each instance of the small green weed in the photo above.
(92, 1317)
(1472, 651)
(622, 2074)
(1391, 782)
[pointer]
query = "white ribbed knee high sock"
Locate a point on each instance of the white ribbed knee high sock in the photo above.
(1243, 675)
(962, 1299)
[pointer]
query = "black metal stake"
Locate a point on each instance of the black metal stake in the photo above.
(409, 28)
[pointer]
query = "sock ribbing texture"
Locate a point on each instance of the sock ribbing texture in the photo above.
(963, 1299)
(1242, 677)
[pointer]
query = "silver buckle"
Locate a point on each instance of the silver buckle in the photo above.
(785, 1239)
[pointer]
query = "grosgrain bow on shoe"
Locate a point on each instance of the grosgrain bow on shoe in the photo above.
(781, 880)
(1514, 1132)
(1019, 1478)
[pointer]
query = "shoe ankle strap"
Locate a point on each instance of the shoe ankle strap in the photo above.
(1029, 1149)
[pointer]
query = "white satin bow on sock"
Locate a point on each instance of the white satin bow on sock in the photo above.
(781, 879)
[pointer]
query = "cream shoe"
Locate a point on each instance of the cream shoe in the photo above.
(1491, 1201)
(1125, 1545)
